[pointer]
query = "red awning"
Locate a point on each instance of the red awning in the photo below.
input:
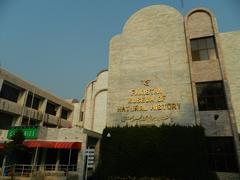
(53, 144)
(2, 146)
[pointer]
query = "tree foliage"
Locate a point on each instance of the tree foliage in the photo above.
(15, 150)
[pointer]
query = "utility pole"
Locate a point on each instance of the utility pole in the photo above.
(182, 3)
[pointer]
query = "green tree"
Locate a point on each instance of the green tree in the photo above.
(15, 150)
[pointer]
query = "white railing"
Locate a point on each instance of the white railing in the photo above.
(60, 167)
(31, 170)
(22, 169)
(19, 170)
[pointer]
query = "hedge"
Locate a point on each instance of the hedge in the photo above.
(171, 152)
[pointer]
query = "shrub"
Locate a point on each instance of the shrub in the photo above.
(173, 152)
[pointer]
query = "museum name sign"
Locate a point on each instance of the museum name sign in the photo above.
(148, 99)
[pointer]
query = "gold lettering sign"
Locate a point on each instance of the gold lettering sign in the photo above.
(146, 100)
(155, 107)
(142, 92)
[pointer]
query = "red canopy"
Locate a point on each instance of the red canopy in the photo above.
(1, 146)
(53, 144)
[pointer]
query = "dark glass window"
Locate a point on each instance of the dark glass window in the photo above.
(51, 158)
(31, 122)
(203, 49)
(33, 102)
(64, 114)
(211, 96)
(81, 115)
(221, 153)
(74, 156)
(51, 109)
(49, 125)
(9, 92)
(6, 120)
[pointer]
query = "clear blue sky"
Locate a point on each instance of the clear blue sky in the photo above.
(60, 45)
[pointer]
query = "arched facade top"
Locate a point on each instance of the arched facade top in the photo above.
(200, 22)
(97, 77)
(90, 83)
(102, 71)
(151, 47)
(205, 10)
(148, 16)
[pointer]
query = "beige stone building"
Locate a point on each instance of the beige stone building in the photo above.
(94, 103)
(55, 136)
(168, 68)
(163, 68)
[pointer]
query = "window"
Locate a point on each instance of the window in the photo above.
(211, 96)
(64, 114)
(221, 154)
(29, 122)
(81, 116)
(66, 158)
(9, 92)
(203, 49)
(32, 103)
(51, 158)
(6, 120)
(51, 109)
(45, 124)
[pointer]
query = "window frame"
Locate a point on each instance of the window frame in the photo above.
(33, 101)
(207, 47)
(222, 154)
(10, 92)
(211, 99)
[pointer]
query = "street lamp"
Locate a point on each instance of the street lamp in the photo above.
(108, 135)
